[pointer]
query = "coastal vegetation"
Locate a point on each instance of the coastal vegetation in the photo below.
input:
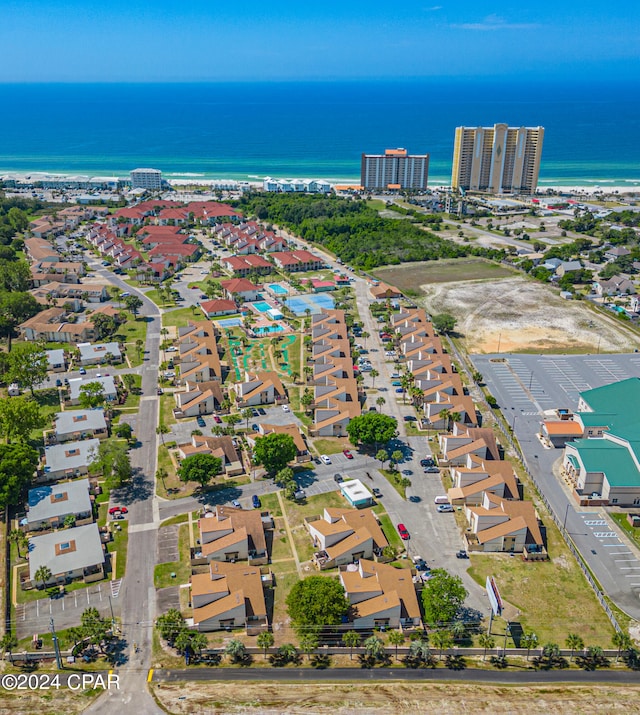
(355, 232)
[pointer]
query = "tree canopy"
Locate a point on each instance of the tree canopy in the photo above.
(19, 416)
(112, 459)
(28, 365)
(442, 597)
(315, 602)
(17, 465)
(92, 395)
(274, 451)
(200, 468)
(444, 322)
(371, 428)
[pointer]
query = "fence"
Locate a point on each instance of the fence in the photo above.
(565, 535)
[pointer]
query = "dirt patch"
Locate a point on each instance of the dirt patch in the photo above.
(49, 702)
(365, 699)
(520, 315)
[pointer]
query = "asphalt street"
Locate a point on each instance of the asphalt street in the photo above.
(526, 386)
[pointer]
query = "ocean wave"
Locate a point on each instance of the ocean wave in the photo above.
(184, 173)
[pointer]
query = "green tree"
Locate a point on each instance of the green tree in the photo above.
(374, 647)
(162, 429)
(15, 308)
(43, 575)
(396, 638)
(162, 474)
(309, 641)
(622, 641)
(373, 374)
(236, 650)
(477, 377)
(444, 323)
(351, 639)
(529, 640)
(15, 276)
(265, 640)
(200, 468)
(396, 457)
(8, 643)
(105, 325)
(486, 641)
(95, 628)
(123, 430)
(442, 639)
(170, 625)
(19, 538)
(307, 399)
(380, 401)
(17, 464)
(133, 304)
(28, 365)
(442, 597)
(274, 451)
(19, 416)
(247, 414)
(112, 460)
(92, 395)
(18, 219)
(372, 428)
(233, 419)
(574, 642)
(315, 602)
(382, 456)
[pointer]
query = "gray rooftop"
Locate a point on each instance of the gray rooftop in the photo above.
(70, 455)
(48, 502)
(77, 382)
(72, 421)
(66, 550)
(98, 351)
(55, 357)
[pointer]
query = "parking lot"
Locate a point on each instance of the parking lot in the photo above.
(526, 386)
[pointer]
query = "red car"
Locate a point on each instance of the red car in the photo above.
(402, 530)
(347, 454)
(118, 510)
(217, 419)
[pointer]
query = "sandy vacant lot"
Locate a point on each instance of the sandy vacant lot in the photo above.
(397, 698)
(519, 315)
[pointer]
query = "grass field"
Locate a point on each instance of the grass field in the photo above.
(182, 568)
(552, 596)
(181, 317)
(408, 277)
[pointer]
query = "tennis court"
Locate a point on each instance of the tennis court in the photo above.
(229, 322)
(315, 303)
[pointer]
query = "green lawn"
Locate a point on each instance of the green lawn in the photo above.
(332, 445)
(182, 568)
(120, 545)
(388, 529)
(630, 531)
(271, 503)
(394, 477)
(296, 512)
(167, 403)
(128, 333)
(49, 403)
(160, 301)
(180, 317)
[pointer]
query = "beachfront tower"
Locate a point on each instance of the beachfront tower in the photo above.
(498, 159)
(150, 179)
(394, 170)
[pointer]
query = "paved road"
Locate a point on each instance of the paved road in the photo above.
(527, 385)
(389, 674)
(138, 595)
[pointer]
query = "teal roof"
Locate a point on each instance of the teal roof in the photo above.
(574, 461)
(615, 461)
(616, 405)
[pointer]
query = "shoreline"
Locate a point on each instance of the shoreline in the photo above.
(572, 186)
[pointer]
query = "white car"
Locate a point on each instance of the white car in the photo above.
(325, 459)
(285, 408)
(172, 349)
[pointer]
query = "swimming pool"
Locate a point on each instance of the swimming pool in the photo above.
(268, 329)
(277, 289)
(229, 322)
(262, 306)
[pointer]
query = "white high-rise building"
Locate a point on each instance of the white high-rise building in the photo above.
(146, 179)
(498, 159)
(394, 170)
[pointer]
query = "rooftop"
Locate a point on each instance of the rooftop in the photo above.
(48, 502)
(66, 551)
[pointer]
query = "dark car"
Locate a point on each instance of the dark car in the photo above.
(376, 492)
(254, 427)
(200, 421)
(261, 411)
(421, 565)
(428, 462)
(462, 554)
(58, 383)
(255, 412)
(159, 391)
(402, 530)
(431, 470)
(255, 500)
(410, 418)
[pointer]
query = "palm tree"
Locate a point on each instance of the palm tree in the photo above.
(162, 429)
(380, 401)
(396, 457)
(364, 335)
(235, 649)
(458, 629)
(8, 642)
(43, 574)
(529, 640)
(453, 418)
(265, 640)
(621, 641)
(442, 639)
(18, 537)
(374, 647)
(295, 376)
(486, 641)
(444, 416)
(382, 456)
(162, 474)
(288, 652)
(139, 346)
(351, 640)
(247, 413)
(374, 373)
(309, 642)
(396, 638)
(575, 642)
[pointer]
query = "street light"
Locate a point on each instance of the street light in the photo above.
(566, 512)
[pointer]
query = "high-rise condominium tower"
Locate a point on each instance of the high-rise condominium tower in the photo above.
(395, 170)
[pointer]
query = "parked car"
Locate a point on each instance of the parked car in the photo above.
(420, 564)
(200, 421)
(410, 418)
(83, 371)
(431, 470)
(443, 508)
(118, 510)
(462, 554)
(285, 408)
(402, 530)
(117, 516)
(255, 501)
(126, 294)
(255, 427)
(160, 391)
(217, 420)
(428, 462)
(376, 492)
(172, 349)
(255, 412)
(324, 459)
(399, 389)
(58, 383)
(396, 383)
(261, 411)
(236, 504)
(337, 478)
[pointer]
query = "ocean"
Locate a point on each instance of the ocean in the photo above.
(246, 130)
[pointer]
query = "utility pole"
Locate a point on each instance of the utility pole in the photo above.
(56, 647)
(113, 620)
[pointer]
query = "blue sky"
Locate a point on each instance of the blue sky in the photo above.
(193, 40)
